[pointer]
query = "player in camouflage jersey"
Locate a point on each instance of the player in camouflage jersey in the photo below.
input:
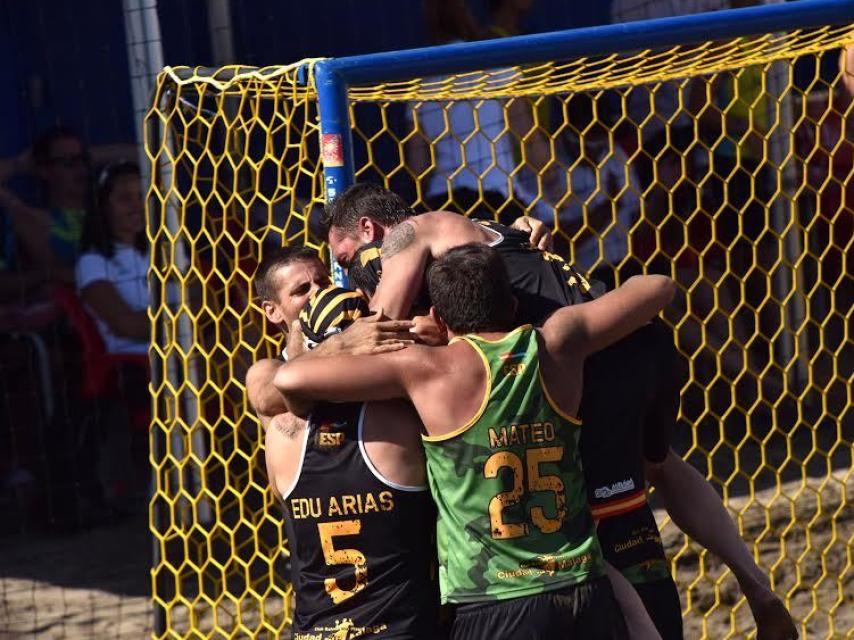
(518, 552)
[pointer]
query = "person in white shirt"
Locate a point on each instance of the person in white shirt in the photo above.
(112, 268)
(111, 276)
(465, 153)
(669, 113)
(602, 202)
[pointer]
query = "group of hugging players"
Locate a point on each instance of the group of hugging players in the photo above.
(462, 444)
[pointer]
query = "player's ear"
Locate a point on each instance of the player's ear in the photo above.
(273, 313)
(438, 319)
(367, 229)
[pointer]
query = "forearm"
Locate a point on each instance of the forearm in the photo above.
(403, 278)
(649, 295)
(392, 305)
(639, 623)
(298, 404)
(310, 379)
(615, 315)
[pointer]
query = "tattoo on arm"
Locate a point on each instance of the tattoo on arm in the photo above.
(398, 239)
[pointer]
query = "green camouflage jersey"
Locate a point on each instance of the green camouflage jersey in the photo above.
(513, 513)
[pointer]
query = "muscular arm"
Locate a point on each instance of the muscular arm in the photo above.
(280, 427)
(409, 246)
(589, 327)
(348, 378)
(405, 252)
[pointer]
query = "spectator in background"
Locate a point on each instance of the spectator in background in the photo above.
(530, 119)
(602, 202)
(667, 127)
(112, 281)
(48, 236)
(113, 267)
(465, 149)
(46, 417)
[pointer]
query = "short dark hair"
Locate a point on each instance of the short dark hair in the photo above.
(471, 291)
(97, 232)
(364, 199)
(274, 259)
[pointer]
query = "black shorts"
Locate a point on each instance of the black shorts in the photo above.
(661, 599)
(629, 408)
(585, 611)
(631, 543)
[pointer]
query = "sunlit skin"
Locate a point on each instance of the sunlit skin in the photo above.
(295, 283)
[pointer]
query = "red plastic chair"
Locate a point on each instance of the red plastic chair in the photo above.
(99, 367)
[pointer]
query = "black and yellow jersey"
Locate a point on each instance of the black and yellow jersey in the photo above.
(542, 282)
(362, 547)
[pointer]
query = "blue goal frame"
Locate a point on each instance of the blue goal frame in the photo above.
(334, 76)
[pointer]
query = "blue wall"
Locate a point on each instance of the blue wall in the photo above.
(68, 64)
(64, 61)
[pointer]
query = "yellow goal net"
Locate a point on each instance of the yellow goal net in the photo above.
(726, 164)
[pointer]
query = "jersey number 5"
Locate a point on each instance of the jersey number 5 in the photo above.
(533, 458)
(333, 556)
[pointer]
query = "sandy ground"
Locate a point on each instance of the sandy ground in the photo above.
(96, 584)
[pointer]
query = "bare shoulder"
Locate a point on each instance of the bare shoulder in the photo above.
(421, 227)
(418, 366)
(448, 221)
(418, 358)
(454, 230)
(561, 330)
(262, 371)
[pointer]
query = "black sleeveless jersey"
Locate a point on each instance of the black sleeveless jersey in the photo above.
(542, 282)
(362, 548)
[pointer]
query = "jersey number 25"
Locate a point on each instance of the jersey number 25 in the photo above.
(502, 530)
